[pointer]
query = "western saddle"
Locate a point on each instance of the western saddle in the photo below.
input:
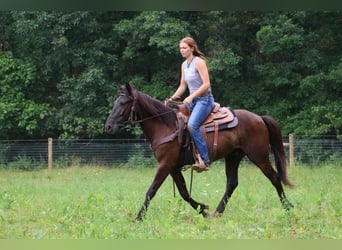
(220, 118)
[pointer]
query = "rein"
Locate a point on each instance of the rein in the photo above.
(133, 119)
(150, 117)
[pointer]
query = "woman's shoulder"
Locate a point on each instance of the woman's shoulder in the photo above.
(184, 63)
(200, 61)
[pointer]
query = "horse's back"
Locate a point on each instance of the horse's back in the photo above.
(244, 113)
(249, 120)
(251, 130)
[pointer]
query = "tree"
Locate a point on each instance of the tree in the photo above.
(75, 57)
(150, 51)
(59, 70)
(301, 68)
(21, 113)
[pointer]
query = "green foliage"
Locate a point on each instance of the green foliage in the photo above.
(150, 54)
(222, 66)
(59, 69)
(282, 36)
(153, 31)
(24, 163)
(137, 159)
(20, 105)
(85, 98)
(300, 72)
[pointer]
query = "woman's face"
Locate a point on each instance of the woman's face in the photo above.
(185, 49)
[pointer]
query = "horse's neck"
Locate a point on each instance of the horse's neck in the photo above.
(158, 134)
(155, 129)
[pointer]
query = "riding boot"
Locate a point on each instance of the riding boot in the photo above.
(200, 165)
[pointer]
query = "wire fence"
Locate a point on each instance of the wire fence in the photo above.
(34, 154)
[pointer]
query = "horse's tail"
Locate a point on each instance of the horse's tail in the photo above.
(277, 147)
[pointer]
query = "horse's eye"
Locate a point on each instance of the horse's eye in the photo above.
(120, 101)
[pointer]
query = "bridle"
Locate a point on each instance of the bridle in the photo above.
(133, 116)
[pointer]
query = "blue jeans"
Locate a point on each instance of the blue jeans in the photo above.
(201, 108)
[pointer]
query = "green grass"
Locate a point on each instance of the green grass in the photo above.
(94, 202)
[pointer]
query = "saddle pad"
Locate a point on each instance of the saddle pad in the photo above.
(223, 126)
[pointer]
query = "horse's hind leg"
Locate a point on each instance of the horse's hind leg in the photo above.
(272, 175)
(232, 162)
(183, 191)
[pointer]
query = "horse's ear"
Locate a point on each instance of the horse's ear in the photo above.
(121, 88)
(129, 89)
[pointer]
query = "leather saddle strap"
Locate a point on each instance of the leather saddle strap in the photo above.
(216, 125)
(183, 136)
(163, 140)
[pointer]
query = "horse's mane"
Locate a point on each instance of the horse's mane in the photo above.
(155, 108)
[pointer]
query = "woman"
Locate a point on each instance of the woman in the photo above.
(195, 78)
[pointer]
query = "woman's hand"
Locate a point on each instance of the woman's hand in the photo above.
(187, 100)
(167, 101)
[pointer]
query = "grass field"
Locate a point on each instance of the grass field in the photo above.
(101, 203)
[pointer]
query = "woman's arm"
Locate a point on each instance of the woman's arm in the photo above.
(181, 89)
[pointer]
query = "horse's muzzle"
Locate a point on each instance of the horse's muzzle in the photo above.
(111, 128)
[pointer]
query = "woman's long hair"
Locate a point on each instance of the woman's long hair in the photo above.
(192, 44)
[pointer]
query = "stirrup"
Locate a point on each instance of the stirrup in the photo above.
(186, 167)
(200, 167)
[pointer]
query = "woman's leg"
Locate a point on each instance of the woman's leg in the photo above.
(201, 109)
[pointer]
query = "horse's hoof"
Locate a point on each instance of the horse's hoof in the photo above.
(139, 218)
(287, 205)
(217, 214)
(205, 214)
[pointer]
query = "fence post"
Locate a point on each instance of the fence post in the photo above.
(50, 153)
(291, 150)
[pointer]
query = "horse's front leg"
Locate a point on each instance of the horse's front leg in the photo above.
(159, 178)
(178, 178)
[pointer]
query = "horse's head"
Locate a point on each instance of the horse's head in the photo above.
(123, 109)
